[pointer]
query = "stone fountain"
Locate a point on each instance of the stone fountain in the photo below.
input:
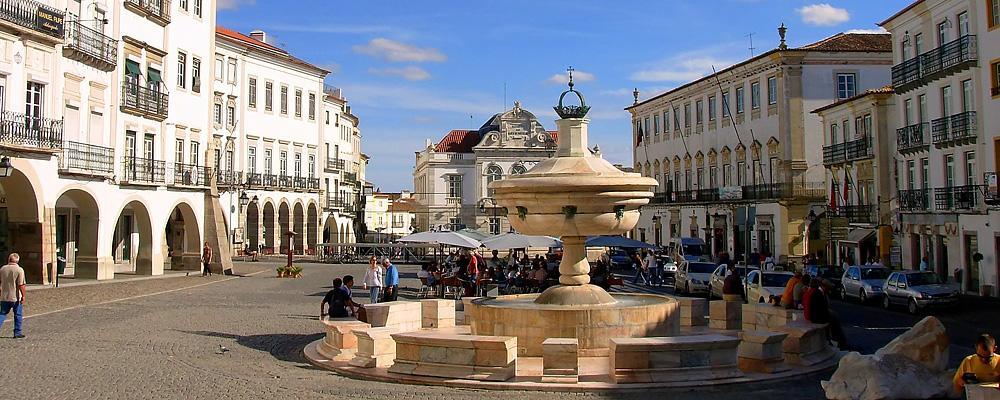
(573, 195)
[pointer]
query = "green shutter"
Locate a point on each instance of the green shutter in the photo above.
(153, 75)
(131, 68)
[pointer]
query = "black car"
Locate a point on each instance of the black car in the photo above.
(830, 273)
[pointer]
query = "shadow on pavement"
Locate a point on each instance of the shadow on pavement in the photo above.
(282, 346)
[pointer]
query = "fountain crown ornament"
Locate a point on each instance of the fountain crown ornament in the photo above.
(568, 110)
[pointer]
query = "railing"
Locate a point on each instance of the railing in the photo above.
(958, 197)
(286, 182)
(834, 154)
(20, 129)
(33, 15)
(190, 175)
(914, 199)
(159, 9)
(312, 183)
(351, 176)
(954, 128)
(848, 151)
(762, 191)
(948, 58)
(143, 100)
(683, 196)
(860, 214)
(228, 178)
(83, 157)
(143, 170)
(786, 190)
(334, 164)
(334, 202)
(906, 73)
(90, 46)
(711, 194)
(912, 137)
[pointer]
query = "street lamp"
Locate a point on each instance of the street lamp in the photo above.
(482, 209)
(244, 200)
(6, 169)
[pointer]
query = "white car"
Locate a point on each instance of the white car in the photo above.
(718, 279)
(693, 277)
(762, 285)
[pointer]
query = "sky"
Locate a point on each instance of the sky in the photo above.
(413, 70)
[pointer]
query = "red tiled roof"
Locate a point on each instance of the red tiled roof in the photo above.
(458, 141)
(864, 42)
(246, 39)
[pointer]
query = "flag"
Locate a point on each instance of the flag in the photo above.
(638, 135)
(833, 196)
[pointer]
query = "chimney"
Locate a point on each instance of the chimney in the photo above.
(259, 36)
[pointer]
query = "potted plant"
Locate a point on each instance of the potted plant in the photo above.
(295, 272)
(282, 271)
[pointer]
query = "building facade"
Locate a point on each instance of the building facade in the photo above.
(947, 66)
(451, 177)
(737, 154)
(344, 170)
(389, 216)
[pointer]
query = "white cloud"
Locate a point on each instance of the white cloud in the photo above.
(823, 14)
(395, 98)
(233, 4)
(868, 31)
(578, 76)
(392, 50)
(410, 73)
(681, 68)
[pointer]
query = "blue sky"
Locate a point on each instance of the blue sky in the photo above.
(416, 69)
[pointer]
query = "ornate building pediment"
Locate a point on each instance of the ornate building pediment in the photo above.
(516, 128)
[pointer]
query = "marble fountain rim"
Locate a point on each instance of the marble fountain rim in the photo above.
(486, 302)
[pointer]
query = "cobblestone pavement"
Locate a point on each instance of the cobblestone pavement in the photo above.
(116, 342)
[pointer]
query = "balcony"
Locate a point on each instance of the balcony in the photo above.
(707, 194)
(914, 200)
(772, 191)
(860, 214)
(954, 129)
(89, 46)
(312, 184)
(228, 179)
(86, 159)
(141, 100)
(854, 150)
(968, 197)
(333, 165)
(21, 130)
(351, 177)
(912, 138)
(138, 170)
(337, 203)
(156, 10)
(191, 175)
(950, 58)
(34, 16)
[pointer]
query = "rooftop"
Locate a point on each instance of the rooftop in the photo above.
(882, 90)
(267, 47)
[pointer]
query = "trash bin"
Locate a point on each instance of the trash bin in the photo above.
(60, 265)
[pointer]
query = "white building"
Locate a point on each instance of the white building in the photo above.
(389, 216)
(451, 177)
(758, 186)
(344, 169)
(946, 73)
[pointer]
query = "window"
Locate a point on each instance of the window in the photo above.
(495, 226)
(963, 24)
(904, 48)
(946, 101)
(267, 162)
(687, 115)
(232, 70)
(677, 118)
(252, 159)
(942, 33)
(949, 170)
(312, 106)
(455, 223)
(922, 108)
(220, 67)
(995, 75)
(687, 180)
(918, 44)
(283, 163)
(772, 90)
(845, 85)
(739, 100)
(993, 17)
(834, 134)
(217, 113)
(268, 96)
(181, 69)
(666, 122)
(153, 79)
(656, 124)
(194, 153)
(179, 151)
(925, 173)
(713, 177)
(699, 111)
(327, 117)
(298, 102)
(298, 165)
(312, 166)
(727, 175)
(970, 168)
(229, 160)
(183, 5)
(711, 108)
(755, 95)
(454, 186)
(231, 115)
(283, 101)
(252, 95)
(196, 74)
(645, 127)
(741, 173)
(33, 105)
(197, 8)
(846, 130)
(493, 173)
(700, 178)
(910, 167)
(967, 100)
(725, 104)
(867, 125)
(908, 112)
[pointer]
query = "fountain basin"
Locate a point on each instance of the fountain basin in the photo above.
(631, 315)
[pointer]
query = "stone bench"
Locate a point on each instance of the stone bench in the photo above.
(758, 316)
(376, 348)
(725, 315)
(428, 353)
(468, 310)
(693, 311)
(673, 359)
(761, 351)
(437, 313)
(806, 343)
(403, 316)
(560, 360)
(340, 344)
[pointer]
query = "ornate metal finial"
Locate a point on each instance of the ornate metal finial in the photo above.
(781, 34)
(517, 108)
(571, 111)
(635, 96)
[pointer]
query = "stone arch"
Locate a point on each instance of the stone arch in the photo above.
(78, 233)
(648, 168)
(299, 226)
(656, 171)
(132, 244)
(183, 240)
(284, 225)
(519, 169)
(24, 231)
(312, 226)
(269, 214)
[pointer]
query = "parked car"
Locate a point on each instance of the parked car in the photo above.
(669, 267)
(690, 249)
(620, 258)
(918, 290)
(831, 273)
(761, 285)
(693, 277)
(863, 282)
(718, 278)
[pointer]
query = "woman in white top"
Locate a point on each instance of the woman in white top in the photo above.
(373, 279)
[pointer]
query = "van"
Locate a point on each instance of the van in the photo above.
(690, 249)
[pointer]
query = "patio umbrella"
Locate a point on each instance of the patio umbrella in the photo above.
(519, 241)
(447, 238)
(474, 234)
(617, 241)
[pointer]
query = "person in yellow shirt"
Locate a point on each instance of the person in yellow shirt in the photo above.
(984, 365)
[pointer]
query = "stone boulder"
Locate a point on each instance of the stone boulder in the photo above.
(912, 366)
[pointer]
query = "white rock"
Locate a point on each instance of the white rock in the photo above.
(926, 343)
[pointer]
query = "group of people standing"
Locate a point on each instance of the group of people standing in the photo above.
(647, 269)
(381, 280)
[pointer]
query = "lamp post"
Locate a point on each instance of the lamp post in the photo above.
(6, 169)
(482, 209)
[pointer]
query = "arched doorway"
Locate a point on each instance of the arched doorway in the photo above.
(77, 232)
(312, 226)
(132, 247)
(252, 236)
(183, 239)
(268, 228)
(284, 225)
(20, 225)
(299, 227)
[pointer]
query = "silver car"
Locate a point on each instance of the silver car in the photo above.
(864, 282)
(918, 290)
(693, 277)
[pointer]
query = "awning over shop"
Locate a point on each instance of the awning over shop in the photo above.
(858, 235)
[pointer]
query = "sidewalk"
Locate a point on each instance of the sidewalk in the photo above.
(121, 277)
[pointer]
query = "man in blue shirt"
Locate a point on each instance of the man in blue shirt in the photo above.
(390, 283)
(339, 300)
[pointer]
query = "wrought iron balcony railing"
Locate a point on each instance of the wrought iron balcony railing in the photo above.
(144, 101)
(334, 164)
(351, 177)
(951, 57)
(143, 170)
(860, 214)
(90, 46)
(914, 200)
(906, 74)
(156, 9)
(191, 175)
(225, 178)
(771, 191)
(86, 158)
(912, 138)
(968, 197)
(19, 129)
(33, 15)
(710, 194)
(953, 129)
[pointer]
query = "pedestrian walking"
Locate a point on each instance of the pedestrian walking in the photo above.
(640, 270)
(206, 260)
(12, 293)
(372, 280)
(732, 286)
(655, 269)
(390, 284)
